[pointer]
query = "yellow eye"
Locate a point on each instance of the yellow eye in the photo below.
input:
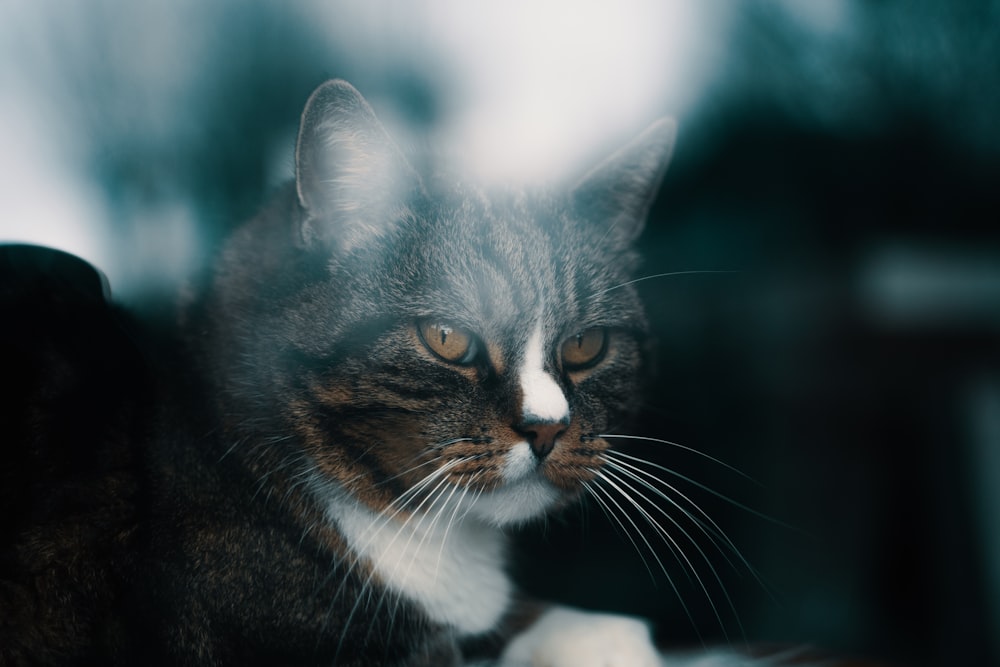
(584, 349)
(449, 343)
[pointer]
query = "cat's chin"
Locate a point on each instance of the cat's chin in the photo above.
(516, 503)
(525, 494)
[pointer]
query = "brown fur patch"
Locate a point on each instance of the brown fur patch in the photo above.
(496, 356)
(332, 394)
(571, 462)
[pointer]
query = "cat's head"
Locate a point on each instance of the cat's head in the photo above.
(420, 338)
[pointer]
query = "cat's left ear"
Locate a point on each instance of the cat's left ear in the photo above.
(619, 191)
(353, 181)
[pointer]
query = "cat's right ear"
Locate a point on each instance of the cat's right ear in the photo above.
(353, 181)
(618, 192)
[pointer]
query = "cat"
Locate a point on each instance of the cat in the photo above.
(387, 370)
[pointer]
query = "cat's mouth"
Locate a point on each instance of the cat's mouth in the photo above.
(521, 464)
(531, 485)
(499, 476)
(516, 501)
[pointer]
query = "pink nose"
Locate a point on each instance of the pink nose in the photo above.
(542, 436)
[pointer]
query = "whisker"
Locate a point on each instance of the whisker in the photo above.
(366, 586)
(445, 500)
(397, 506)
(440, 476)
(407, 471)
(434, 511)
(657, 275)
(400, 502)
(639, 532)
(652, 551)
(452, 441)
(674, 546)
(711, 528)
(707, 489)
(410, 494)
(675, 549)
(475, 498)
(612, 517)
(236, 443)
(680, 446)
(431, 447)
(451, 521)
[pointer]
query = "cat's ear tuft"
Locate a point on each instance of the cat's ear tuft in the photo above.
(352, 179)
(619, 191)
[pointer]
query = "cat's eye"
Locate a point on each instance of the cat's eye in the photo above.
(584, 349)
(447, 342)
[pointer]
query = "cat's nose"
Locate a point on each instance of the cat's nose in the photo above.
(542, 436)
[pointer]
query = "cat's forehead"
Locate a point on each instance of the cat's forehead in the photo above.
(509, 260)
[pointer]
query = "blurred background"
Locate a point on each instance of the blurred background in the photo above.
(840, 157)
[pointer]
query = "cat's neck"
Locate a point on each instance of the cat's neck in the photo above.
(451, 565)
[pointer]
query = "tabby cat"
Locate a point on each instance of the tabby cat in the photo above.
(387, 370)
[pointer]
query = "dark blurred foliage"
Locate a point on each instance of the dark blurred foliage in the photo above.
(848, 179)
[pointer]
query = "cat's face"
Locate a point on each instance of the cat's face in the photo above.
(477, 349)
(449, 343)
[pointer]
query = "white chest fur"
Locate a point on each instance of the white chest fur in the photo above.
(455, 573)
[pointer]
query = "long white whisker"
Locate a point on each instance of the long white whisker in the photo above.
(611, 516)
(434, 510)
(399, 474)
(397, 505)
(678, 553)
(371, 575)
(649, 546)
(610, 473)
(433, 447)
(448, 525)
(711, 526)
(452, 441)
(711, 529)
(432, 497)
(471, 503)
(386, 515)
(657, 275)
(613, 468)
(685, 448)
(707, 489)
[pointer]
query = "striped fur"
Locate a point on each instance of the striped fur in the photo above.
(414, 462)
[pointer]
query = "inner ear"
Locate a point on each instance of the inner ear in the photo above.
(618, 192)
(352, 179)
